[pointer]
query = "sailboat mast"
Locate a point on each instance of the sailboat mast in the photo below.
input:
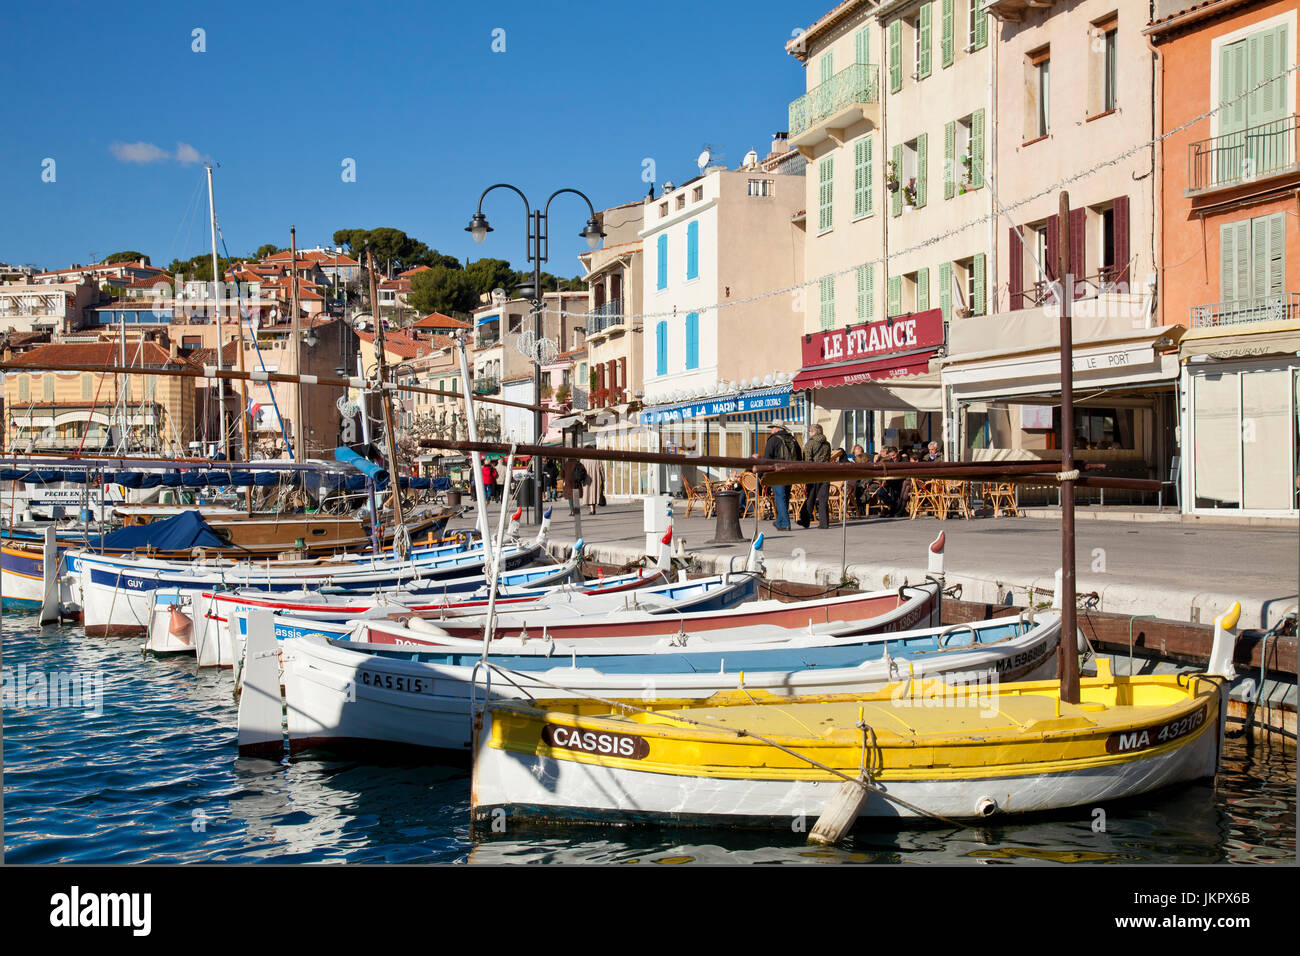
(216, 301)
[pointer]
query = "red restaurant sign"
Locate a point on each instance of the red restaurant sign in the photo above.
(875, 340)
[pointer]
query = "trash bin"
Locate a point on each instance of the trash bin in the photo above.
(526, 491)
(453, 499)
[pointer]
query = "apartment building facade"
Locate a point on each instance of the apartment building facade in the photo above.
(1230, 198)
(716, 350)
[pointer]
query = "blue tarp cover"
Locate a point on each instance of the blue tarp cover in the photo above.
(177, 533)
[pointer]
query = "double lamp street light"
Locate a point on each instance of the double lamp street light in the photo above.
(537, 252)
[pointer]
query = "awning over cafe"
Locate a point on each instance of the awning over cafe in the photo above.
(920, 393)
(1245, 341)
(856, 373)
(756, 400)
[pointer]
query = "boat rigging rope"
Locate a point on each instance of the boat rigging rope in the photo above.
(632, 708)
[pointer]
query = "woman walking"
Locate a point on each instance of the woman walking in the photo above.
(593, 493)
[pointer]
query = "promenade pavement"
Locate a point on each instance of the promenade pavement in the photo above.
(1174, 570)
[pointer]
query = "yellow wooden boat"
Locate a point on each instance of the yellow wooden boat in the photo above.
(914, 749)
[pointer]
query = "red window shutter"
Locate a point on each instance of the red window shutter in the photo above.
(1053, 248)
(1078, 247)
(1016, 270)
(622, 376)
(600, 378)
(1121, 239)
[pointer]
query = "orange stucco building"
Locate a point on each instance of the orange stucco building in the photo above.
(1229, 237)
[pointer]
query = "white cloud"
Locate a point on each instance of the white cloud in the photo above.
(185, 153)
(149, 153)
(139, 152)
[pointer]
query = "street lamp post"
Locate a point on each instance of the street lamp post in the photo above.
(537, 250)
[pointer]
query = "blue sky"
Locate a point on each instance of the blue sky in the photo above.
(413, 92)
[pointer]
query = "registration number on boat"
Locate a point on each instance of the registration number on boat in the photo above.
(1145, 737)
(595, 742)
(409, 685)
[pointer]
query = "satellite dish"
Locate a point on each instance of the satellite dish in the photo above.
(498, 295)
(360, 324)
(703, 159)
(751, 159)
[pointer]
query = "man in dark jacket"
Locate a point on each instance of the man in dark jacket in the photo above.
(782, 446)
(816, 449)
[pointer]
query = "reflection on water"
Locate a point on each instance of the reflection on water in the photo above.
(155, 778)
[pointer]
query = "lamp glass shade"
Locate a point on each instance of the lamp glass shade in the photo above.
(478, 227)
(592, 234)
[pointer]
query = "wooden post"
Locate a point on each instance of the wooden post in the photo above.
(394, 475)
(1068, 661)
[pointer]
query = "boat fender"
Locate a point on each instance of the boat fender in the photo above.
(986, 807)
(840, 814)
(1225, 642)
(180, 626)
(426, 627)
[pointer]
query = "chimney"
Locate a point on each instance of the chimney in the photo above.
(780, 142)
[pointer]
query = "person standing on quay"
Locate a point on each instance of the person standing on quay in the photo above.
(818, 493)
(782, 446)
(593, 493)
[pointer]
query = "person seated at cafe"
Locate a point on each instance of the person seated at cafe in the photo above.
(933, 453)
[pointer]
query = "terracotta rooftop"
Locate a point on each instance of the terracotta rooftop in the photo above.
(106, 354)
(439, 321)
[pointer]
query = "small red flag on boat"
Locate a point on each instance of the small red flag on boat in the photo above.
(936, 546)
(668, 536)
(517, 515)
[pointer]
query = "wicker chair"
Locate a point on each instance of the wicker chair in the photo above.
(954, 496)
(696, 496)
(925, 498)
(756, 495)
(1002, 494)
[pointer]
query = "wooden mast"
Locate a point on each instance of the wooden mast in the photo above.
(394, 477)
(1067, 649)
(299, 426)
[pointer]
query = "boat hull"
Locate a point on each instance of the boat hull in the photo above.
(706, 765)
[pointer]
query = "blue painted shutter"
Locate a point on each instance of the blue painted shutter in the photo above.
(661, 344)
(663, 261)
(693, 340)
(693, 250)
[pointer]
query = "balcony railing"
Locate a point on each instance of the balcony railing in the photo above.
(1273, 308)
(1085, 287)
(859, 83)
(486, 386)
(1235, 158)
(604, 316)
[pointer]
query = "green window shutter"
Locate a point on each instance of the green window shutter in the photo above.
(927, 41)
(922, 151)
(862, 178)
(977, 306)
(1259, 258)
(981, 29)
(865, 305)
(871, 176)
(1241, 260)
(922, 289)
(827, 67)
(1233, 81)
(896, 56)
(977, 149)
(1276, 253)
(862, 46)
(947, 36)
(825, 194)
(827, 302)
(945, 290)
(949, 159)
(895, 295)
(898, 193)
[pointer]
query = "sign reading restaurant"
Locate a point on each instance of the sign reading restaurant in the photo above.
(921, 330)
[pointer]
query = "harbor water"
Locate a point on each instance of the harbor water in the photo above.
(114, 757)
